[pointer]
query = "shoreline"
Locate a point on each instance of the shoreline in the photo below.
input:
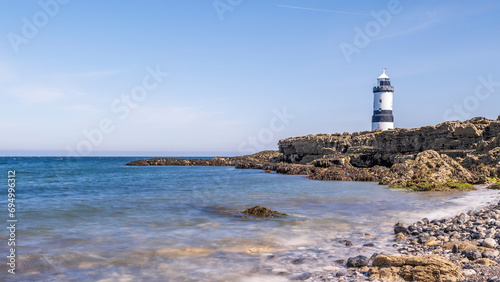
(450, 245)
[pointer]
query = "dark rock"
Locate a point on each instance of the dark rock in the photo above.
(472, 255)
(358, 261)
(369, 245)
(303, 276)
(400, 228)
(346, 242)
(298, 261)
(340, 261)
(262, 212)
(455, 249)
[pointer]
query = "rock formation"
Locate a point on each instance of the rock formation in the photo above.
(415, 268)
(450, 155)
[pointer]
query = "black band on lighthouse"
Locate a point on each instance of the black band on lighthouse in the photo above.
(382, 116)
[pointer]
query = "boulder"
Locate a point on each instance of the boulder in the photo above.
(415, 268)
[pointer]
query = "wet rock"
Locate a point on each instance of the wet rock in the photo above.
(358, 261)
(400, 228)
(262, 212)
(298, 261)
(341, 261)
(340, 274)
(279, 271)
(303, 276)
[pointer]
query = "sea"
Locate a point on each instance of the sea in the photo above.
(96, 219)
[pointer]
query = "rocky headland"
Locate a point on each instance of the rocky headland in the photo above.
(450, 155)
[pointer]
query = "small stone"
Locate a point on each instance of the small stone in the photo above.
(490, 254)
(401, 236)
(494, 278)
(348, 243)
(468, 272)
(298, 261)
(463, 218)
(340, 261)
(340, 274)
(368, 234)
(369, 245)
(303, 276)
(279, 271)
(358, 261)
(490, 243)
(423, 238)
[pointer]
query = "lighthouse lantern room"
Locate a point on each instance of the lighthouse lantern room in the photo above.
(382, 104)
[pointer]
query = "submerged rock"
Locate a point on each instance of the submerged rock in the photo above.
(358, 261)
(262, 212)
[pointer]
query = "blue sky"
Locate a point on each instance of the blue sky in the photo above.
(241, 74)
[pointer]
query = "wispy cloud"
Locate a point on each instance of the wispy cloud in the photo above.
(38, 95)
(323, 10)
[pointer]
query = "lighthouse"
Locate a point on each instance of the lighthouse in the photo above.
(382, 104)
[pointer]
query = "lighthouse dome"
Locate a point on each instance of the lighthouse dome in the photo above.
(383, 75)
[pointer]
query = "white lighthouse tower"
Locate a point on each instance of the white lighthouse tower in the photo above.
(382, 104)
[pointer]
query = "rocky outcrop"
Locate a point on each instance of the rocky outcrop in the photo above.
(243, 161)
(262, 212)
(474, 138)
(429, 171)
(415, 268)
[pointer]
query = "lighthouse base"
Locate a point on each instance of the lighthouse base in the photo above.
(382, 125)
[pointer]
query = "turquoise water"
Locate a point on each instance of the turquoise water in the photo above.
(95, 219)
